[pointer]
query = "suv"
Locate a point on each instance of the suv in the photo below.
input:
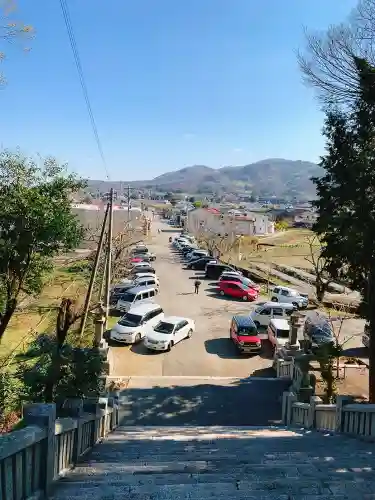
(136, 323)
(289, 295)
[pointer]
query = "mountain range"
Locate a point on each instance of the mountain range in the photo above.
(271, 177)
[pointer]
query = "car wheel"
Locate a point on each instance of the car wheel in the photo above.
(190, 333)
(295, 305)
(170, 345)
(193, 267)
(138, 338)
(222, 292)
(274, 299)
(245, 298)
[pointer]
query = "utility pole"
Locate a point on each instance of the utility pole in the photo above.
(102, 282)
(128, 196)
(109, 258)
(93, 274)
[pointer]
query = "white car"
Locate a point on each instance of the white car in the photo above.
(168, 332)
(227, 275)
(146, 281)
(145, 275)
(136, 323)
(289, 295)
(195, 254)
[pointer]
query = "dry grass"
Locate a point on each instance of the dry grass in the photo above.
(40, 314)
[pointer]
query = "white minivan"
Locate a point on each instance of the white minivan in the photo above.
(265, 311)
(136, 323)
(278, 333)
(135, 296)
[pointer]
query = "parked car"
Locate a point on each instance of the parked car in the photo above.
(290, 295)
(132, 327)
(229, 274)
(237, 290)
(195, 255)
(266, 311)
(213, 271)
(119, 290)
(135, 296)
(200, 263)
(244, 334)
(147, 281)
(240, 279)
(317, 331)
(168, 332)
(142, 268)
(278, 333)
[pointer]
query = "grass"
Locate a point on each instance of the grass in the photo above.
(39, 314)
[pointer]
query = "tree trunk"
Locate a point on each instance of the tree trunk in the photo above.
(320, 289)
(11, 307)
(371, 317)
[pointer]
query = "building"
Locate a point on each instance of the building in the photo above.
(91, 217)
(306, 218)
(213, 221)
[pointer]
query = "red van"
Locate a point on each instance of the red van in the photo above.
(244, 335)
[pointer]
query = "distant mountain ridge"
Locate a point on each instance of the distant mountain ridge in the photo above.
(270, 177)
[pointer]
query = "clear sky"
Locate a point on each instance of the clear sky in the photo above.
(172, 83)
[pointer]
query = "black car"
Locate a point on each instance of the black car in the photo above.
(200, 263)
(316, 332)
(214, 271)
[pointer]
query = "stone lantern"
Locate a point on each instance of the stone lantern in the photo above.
(296, 322)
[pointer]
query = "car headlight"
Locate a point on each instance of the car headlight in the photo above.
(241, 343)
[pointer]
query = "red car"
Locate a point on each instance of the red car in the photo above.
(237, 290)
(135, 260)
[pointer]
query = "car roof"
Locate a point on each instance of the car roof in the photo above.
(286, 288)
(142, 309)
(229, 282)
(138, 289)
(174, 319)
(281, 324)
(284, 305)
(243, 320)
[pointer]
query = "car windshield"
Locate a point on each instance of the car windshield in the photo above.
(130, 320)
(247, 331)
(128, 297)
(140, 250)
(282, 333)
(164, 327)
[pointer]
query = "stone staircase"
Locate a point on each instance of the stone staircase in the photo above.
(202, 463)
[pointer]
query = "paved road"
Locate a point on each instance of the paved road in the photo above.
(209, 352)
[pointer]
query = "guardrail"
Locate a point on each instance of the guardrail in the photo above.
(33, 458)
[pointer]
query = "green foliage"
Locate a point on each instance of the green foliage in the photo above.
(36, 224)
(197, 204)
(346, 193)
(53, 373)
(281, 225)
(326, 356)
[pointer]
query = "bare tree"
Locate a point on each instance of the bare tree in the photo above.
(327, 63)
(320, 267)
(11, 30)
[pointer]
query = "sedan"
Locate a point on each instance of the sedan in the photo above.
(240, 279)
(168, 332)
(237, 290)
(200, 263)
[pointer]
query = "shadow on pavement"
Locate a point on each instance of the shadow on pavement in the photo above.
(222, 347)
(142, 350)
(249, 401)
(264, 373)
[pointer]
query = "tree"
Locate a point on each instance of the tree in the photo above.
(10, 31)
(197, 204)
(328, 62)
(346, 199)
(36, 224)
(321, 266)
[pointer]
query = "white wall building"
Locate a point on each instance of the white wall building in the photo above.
(211, 220)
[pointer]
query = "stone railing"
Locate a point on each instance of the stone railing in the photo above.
(33, 458)
(344, 416)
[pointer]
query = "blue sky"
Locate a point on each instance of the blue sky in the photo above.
(172, 83)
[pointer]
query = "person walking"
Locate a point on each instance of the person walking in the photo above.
(197, 284)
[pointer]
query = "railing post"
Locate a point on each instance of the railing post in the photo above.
(75, 409)
(103, 405)
(91, 405)
(284, 408)
(116, 397)
(314, 400)
(341, 401)
(44, 415)
(292, 398)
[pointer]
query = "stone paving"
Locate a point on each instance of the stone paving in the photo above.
(202, 463)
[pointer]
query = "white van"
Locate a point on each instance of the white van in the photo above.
(265, 311)
(147, 281)
(136, 323)
(278, 333)
(135, 296)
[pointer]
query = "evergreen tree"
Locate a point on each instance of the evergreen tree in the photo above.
(346, 198)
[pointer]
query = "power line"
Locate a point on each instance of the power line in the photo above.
(73, 44)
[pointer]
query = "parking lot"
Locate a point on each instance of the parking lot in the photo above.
(209, 353)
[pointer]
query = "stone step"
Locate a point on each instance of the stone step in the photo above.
(289, 487)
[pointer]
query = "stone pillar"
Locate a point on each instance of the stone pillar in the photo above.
(99, 327)
(74, 406)
(314, 400)
(44, 415)
(296, 322)
(341, 401)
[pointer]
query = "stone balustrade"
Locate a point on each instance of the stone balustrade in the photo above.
(34, 457)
